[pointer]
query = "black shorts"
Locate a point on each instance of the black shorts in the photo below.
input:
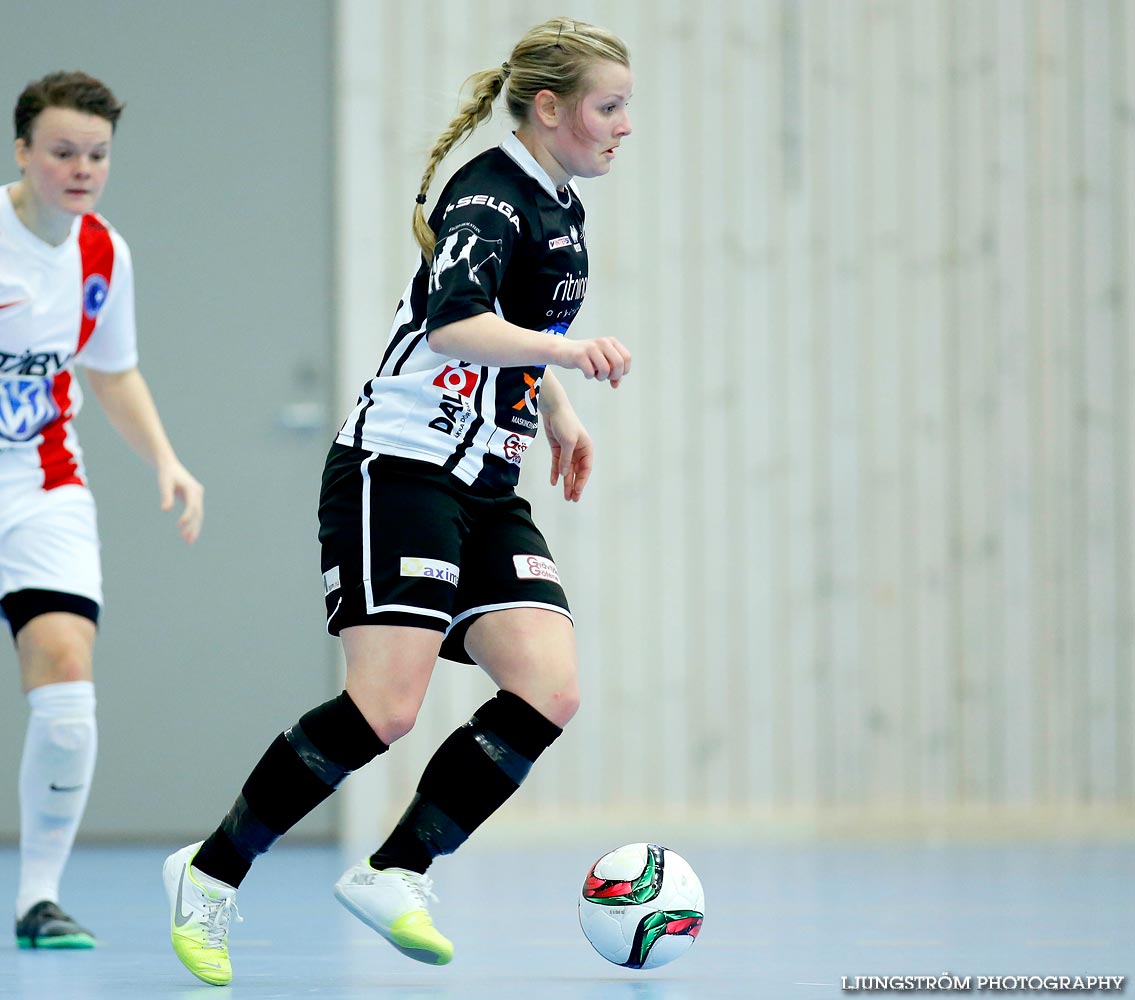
(406, 543)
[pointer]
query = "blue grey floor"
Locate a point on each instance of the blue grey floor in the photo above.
(781, 922)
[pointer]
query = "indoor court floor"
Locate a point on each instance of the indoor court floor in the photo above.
(782, 922)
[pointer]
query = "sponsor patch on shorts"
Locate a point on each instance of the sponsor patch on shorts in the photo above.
(330, 580)
(431, 569)
(536, 568)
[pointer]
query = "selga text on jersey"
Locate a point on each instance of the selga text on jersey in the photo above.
(507, 242)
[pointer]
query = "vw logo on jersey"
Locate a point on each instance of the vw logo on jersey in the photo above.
(26, 407)
(94, 294)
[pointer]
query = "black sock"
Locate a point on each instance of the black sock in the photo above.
(301, 768)
(470, 776)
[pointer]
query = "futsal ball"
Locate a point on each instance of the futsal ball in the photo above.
(641, 906)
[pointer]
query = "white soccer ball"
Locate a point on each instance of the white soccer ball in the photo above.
(641, 906)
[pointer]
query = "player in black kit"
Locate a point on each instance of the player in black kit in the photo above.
(426, 548)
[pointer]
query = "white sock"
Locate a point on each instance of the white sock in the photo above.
(55, 780)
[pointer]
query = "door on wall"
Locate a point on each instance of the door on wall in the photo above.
(221, 184)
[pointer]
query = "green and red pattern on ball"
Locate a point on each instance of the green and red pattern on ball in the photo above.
(614, 893)
(660, 924)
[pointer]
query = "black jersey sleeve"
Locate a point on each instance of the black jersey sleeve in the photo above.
(478, 225)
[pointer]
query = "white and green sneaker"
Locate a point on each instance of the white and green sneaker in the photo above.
(200, 910)
(393, 902)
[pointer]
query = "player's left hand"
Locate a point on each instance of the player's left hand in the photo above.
(572, 452)
(175, 482)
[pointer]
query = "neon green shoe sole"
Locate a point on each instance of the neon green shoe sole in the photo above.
(416, 937)
(393, 902)
(200, 911)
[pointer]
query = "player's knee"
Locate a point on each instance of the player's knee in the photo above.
(394, 722)
(559, 704)
(61, 663)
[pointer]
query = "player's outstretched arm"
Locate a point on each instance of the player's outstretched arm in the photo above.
(488, 339)
(129, 406)
(572, 449)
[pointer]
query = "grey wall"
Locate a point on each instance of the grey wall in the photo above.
(221, 183)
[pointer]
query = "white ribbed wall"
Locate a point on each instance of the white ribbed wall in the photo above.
(858, 551)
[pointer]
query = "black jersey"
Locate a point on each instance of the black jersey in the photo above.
(507, 242)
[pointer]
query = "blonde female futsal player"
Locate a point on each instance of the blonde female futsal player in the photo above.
(426, 548)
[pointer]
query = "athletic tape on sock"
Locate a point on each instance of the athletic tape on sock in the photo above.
(247, 833)
(515, 765)
(321, 766)
(436, 831)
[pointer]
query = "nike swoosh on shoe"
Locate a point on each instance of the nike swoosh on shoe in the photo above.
(180, 918)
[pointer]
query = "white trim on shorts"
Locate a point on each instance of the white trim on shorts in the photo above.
(364, 510)
(486, 608)
(408, 609)
(368, 590)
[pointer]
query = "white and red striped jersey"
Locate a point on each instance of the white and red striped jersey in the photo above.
(59, 305)
(508, 242)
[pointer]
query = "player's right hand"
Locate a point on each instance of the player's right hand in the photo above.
(603, 358)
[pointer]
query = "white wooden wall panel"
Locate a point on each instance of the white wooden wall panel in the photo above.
(1123, 65)
(840, 329)
(1052, 262)
(1014, 459)
(758, 726)
(859, 541)
(926, 215)
(1103, 506)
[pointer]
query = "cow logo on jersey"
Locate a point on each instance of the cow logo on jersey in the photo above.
(459, 379)
(94, 294)
(463, 246)
(26, 407)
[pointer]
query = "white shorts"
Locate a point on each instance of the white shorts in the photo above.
(49, 541)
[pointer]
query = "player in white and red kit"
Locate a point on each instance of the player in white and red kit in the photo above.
(425, 546)
(66, 299)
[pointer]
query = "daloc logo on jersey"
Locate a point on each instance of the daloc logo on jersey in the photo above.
(94, 294)
(460, 380)
(26, 407)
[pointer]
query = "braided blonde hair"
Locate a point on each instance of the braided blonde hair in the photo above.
(555, 56)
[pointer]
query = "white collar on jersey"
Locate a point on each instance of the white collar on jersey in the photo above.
(527, 162)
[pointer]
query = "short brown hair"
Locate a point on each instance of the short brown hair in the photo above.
(75, 90)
